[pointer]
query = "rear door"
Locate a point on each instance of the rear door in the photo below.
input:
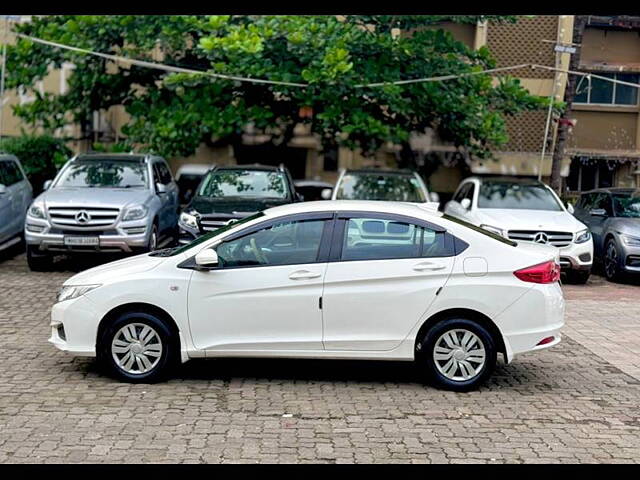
(383, 275)
(5, 204)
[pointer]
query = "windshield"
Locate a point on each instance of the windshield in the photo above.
(626, 205)
(211, 234)
(380, 186)
(105, 174)
(479, 230)
(244, 183)
(517, 196)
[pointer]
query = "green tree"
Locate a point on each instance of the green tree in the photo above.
(172, 113)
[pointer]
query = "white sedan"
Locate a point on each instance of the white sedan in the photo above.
(327, 279)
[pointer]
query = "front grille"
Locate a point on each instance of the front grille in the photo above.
(557, 239)
(215, 221)
(83, 217)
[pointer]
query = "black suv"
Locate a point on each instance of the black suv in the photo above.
(226, 194)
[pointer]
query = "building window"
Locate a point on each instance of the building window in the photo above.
(587, 174)
(596, 91)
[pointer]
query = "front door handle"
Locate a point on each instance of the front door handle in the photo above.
(428, 267)
(304, 275)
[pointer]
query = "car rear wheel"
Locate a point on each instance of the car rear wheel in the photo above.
(457, 354)
(612, 261)
(38, 261)
(138, 347)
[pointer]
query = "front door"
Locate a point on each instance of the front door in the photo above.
(382, 280)
(265, 295)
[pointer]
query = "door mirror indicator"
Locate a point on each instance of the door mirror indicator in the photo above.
(598, 212)
(207, 258)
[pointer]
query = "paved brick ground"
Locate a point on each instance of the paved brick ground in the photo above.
(572, 403)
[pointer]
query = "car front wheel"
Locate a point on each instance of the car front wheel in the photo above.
(612, 263)
(457, 354)
(138, 347)
(37, 261)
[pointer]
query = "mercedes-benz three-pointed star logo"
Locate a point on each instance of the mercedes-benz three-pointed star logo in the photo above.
(541, 237)
(83, 217)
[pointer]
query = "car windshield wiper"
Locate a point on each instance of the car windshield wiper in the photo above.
(165, 252)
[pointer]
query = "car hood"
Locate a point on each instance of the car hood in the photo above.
(113, 270)
(95, 197)
(512, 219)
(206, 206)
(629, 226)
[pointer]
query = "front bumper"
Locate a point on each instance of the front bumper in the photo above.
(74, 325)
(124, 237)
(577, 256)
(631, 257)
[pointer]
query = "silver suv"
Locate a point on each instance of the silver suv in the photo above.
(15, 196)
(103, 203)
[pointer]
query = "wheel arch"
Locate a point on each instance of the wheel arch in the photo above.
(465, 313)
(148, 308)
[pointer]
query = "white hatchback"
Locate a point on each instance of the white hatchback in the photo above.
(327, 279)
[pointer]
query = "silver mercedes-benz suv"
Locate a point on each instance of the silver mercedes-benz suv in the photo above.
(103, 203)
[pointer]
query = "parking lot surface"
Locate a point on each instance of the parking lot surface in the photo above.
(577, 402)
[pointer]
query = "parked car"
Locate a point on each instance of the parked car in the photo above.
(383, 184)
(188, 177)
(15, 196)
(228, 194)
(613, 216)
(526, 210)
(103, 203)
(339, 280)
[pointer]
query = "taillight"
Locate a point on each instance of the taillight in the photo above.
(547, 272)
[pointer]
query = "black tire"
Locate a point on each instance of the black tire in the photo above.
(153, 245)
(38, 261)
(425, 355)
(578, 277)
(612, 261)
(167, 358)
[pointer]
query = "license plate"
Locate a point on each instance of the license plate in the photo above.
(81, 241)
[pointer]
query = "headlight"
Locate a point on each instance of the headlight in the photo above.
(583, 236)
(135, 213)
(631, 241)
(36, 211)
(188, 220)
(73, 291)
(496, 230)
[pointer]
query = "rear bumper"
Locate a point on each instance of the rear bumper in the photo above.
(534, 317)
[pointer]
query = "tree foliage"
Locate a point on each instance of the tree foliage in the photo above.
(172, 113)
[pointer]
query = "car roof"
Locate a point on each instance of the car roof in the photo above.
(379, 171)
(254, 166)
(400, 208)
(191, 168)
(628, 190)
(111, 156)
(312, 183)
(504, 179)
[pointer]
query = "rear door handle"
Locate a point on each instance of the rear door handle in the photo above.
(304, 275)
(428, 267)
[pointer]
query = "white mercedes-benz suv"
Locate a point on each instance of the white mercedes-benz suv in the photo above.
(526, 210)
(326, 279)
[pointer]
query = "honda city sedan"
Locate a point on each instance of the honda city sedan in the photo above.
(365, 280)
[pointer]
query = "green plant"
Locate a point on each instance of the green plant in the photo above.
(40, 155)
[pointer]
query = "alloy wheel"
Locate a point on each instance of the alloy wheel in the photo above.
(611, 260)
(459, 354)
(136, 348)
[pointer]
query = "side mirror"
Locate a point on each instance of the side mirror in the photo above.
(47, 184)
(160, 188)
(3, 189)
(598, 212)
(207, 258)
(465, 203)
(434, 197)
(570, 208)
(326, 193)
